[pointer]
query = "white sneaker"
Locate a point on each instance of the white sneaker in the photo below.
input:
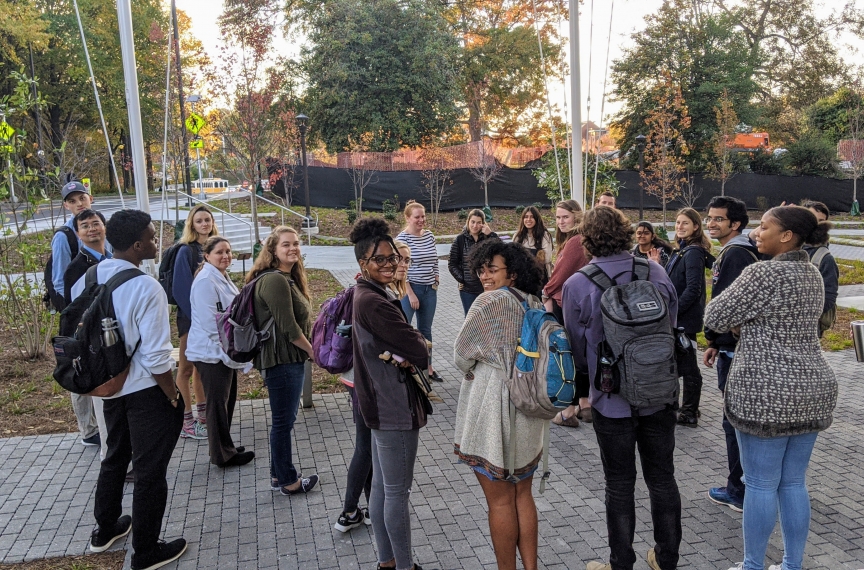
(739, 566)
(775, 567)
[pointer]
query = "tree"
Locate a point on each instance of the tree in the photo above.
(361, 174)
(704, 54)
(724, 164)
(852, 149)
(488, 168)
(665, 147)
(812, 155)
(831, 116)
(436, 179)
(501, 74)
(383, 69)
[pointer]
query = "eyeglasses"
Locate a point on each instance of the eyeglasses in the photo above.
(716, 219)
(381, 260)
(407, 261)
(492, 270)
(90, 226)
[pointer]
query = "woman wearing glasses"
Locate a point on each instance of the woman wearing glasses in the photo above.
(389, 401)
(484, 352)
(686, 270)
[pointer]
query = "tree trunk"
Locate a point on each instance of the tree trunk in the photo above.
(475, 128)
(723, 187)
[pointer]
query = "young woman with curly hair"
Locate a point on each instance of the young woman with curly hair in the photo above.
(484, 352)
(607, 235)
(282, 293)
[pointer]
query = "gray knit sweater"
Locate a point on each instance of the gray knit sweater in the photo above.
(779, 383)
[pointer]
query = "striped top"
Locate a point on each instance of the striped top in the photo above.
(424, 256)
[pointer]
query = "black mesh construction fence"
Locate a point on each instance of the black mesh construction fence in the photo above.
(332, 188)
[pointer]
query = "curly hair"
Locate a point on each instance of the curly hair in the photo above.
(125, 228)
(529, 273)
(606, 231)
(369, 232)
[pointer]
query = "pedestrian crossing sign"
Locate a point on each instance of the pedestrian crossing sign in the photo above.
(6, 131)
(197, 143)
(195, 122)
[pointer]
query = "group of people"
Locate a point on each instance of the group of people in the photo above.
(762, 328)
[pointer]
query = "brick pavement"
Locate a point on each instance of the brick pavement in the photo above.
(233, 520)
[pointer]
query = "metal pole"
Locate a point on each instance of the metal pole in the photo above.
(577, 191)
(188, 175)
(200, 180)
(11, 183)
(133, 104)
(305, 173)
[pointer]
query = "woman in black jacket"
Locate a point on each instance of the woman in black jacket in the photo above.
(686, 269)
(476, 230)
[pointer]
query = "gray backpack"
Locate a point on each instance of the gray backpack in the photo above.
(637, 357)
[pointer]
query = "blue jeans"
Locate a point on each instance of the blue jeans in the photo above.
(734, 483)
(285, 385)
(428, 298)
(775, 469)
(393, 457)
(467, 299)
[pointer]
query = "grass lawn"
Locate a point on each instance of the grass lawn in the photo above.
(851, 271)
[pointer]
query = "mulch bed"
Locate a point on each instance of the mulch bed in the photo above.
(112, 560)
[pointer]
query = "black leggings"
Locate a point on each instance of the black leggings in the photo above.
(360, 468)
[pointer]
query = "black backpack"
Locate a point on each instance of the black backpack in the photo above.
(166, 270)
(83, 362)
(52, 298)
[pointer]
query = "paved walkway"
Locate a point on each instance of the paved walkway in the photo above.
(232, 519)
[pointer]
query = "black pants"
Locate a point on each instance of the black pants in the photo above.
(734, 483)
(360, 469)
(220, 388)
(143, 425)
(688, 368)
(618, 439)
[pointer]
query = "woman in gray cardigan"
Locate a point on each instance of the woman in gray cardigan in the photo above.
(781, 391)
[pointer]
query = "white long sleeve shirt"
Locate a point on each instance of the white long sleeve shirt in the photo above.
(209, 288)
(142, 314)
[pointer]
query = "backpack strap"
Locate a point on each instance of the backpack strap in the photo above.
(90, 277)
(597, 276)
(819, 255)
(71, 239)
(641, 269)
(114, 282)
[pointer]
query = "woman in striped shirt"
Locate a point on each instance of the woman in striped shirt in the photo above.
(422, 297)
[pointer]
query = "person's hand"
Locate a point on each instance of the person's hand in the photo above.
(112, 386)
(549, 305)
(654, 255)
(709, 357)
(415, 302)
(405, 364)
(486, 229)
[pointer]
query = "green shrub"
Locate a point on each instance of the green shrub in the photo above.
(351, 212)
(463, 215)
(390, 209)
(519, 210)
(762, 203)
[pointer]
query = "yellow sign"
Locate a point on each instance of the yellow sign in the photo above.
(6, 131)
(197, 143)
(195, 122)
(7, 148)
(86, 183)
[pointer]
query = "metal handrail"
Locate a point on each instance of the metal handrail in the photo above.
(224, 213)
(283, 208)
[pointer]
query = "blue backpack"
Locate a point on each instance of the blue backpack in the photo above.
(542, 379)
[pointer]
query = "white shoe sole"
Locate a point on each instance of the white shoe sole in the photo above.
(341, 528)
(730, 505)
(110, 542)
(168, 561)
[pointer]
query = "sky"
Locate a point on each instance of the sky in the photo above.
(627, 18)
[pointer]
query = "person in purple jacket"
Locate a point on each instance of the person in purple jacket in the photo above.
(607, 235)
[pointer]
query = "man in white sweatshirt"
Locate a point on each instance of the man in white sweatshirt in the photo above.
(144, 410)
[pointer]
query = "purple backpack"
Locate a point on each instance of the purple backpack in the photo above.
(240, 338)
(332, 348)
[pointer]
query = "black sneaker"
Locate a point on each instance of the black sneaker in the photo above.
(346, 522)
(366, 518)
(92, 441)
(239, 459)
(164, 553)
(102, 539)
(306, 485)
(687, 420)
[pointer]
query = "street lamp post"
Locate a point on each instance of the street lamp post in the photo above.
(192, 99)
(640, 146)
(302, 127)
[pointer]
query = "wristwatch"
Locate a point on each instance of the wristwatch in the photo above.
(176, 398)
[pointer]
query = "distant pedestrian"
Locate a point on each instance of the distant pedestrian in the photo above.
(686, 270)
(650, 246)
(484, 352)
(532, 234)
(571, 258)
(423, 278)
(390, 402)
(781, 391)
(606, 199)
(821, 257)
(145, 414)
(199, 226)
(283, 295)
(212, 292)
(476, 230)
(65, 243)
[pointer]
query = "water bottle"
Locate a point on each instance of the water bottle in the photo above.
(343, 330)
(110, 334)
(607, 375)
